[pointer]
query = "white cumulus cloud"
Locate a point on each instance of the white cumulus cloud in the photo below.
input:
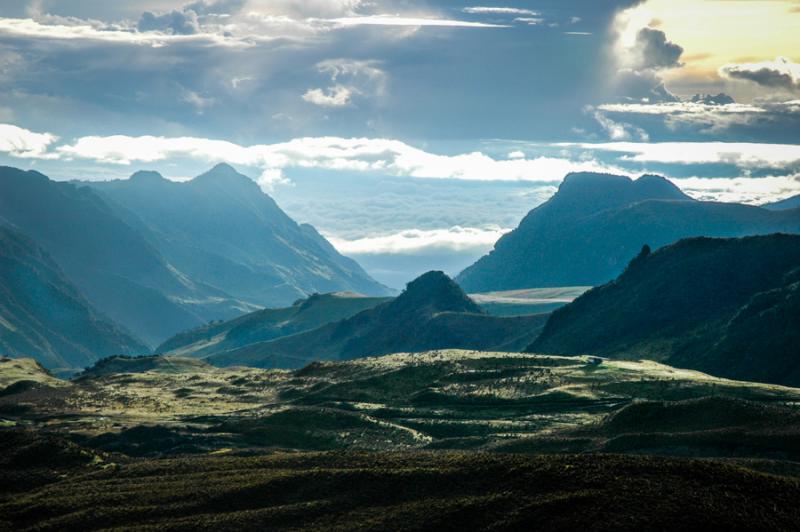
(19, 142)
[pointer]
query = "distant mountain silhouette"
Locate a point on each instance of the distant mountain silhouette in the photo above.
(432, 313)
(42, 315)
(788, 203)
(729, 307)
(268, 324)
(596, 223)
(221, 230)
(112, 262)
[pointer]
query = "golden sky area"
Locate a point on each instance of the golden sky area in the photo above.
(717, 32)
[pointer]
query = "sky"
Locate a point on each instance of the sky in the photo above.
(411, 133)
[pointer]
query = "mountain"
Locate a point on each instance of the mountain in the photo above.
(432, 313)
(112, 262)
(268, 324)
(595, 224)
(788, 203)
(729, 307)
(221, 230)
(42, 315)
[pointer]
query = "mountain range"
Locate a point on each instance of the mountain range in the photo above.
(221, 230)
(432, 313)
(158, 257)
(729, 307)
(596, 223)
(43, 314)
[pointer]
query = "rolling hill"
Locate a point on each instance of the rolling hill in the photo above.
(42, 315)
(595, 224)
(221, 230)
(268, 324)
(728, 307)
(432, 313)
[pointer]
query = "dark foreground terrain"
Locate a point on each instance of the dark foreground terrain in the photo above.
(54, 485)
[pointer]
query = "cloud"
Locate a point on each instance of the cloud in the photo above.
(93, 31)
(395, 20)
(620, 130)
(741, 154)
(779, 74)
(332, 153)
(334, 96)
(715, 115)
(19, 142)
(750, 190)
(413, 241)
(483, 10)
(654, 51)
(199, 102)
(349, 78)
(174, 22)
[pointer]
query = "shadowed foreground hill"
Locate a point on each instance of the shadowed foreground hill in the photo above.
(407, 491)
(268, 324)
(42, 315)
(432, 313)
(595, 224)
(729, 307)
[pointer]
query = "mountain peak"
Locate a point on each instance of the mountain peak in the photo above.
(222, 172)
(436, 292)
(601, 189)
(147, 176)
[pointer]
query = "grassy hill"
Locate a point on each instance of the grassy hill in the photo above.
(268, 324)
(724, 306)
(433, 400)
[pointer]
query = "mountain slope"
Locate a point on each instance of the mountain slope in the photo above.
(112, 262)
(432, 313)
(222, 230)
(595, 224)
(724, 306)
(42, 315)
(268, 324)
(788, 203)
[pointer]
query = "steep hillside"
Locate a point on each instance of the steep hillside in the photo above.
(432, 313)
(595, 224)
(268, 324)
(222, 230)
(725, 306)
(112, 262)
(42, 315)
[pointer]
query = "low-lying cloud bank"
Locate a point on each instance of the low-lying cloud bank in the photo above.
(416, 241)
